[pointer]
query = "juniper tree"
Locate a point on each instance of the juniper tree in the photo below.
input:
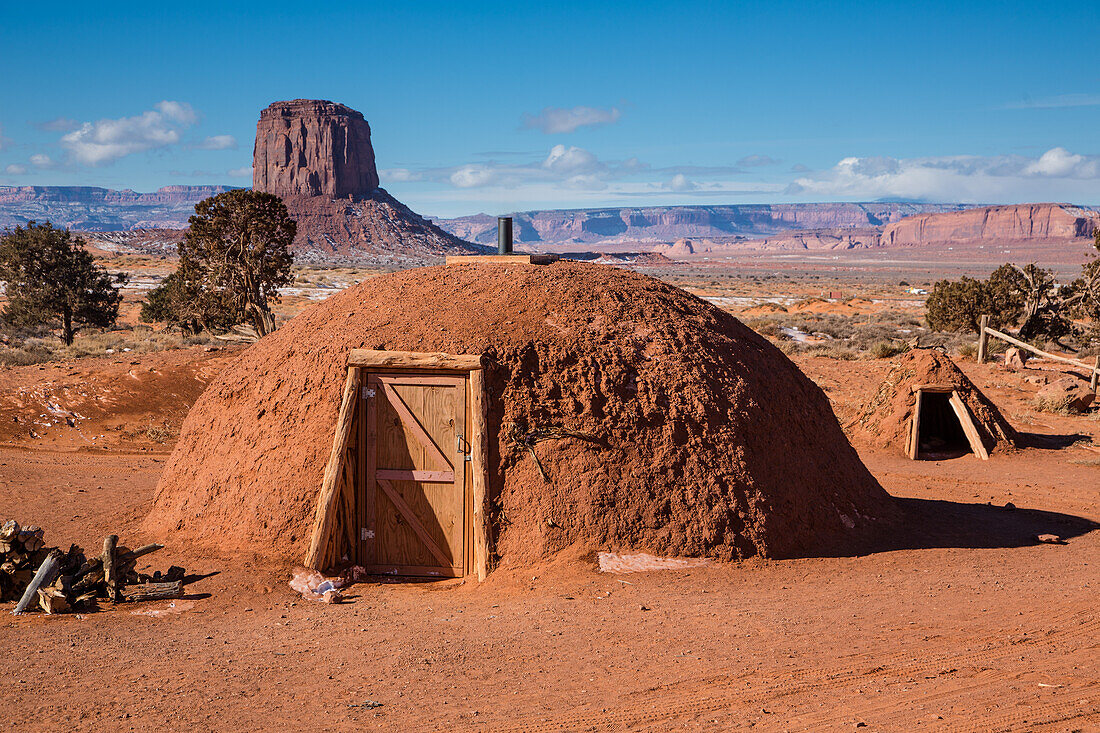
(53, 282)
(237, 252)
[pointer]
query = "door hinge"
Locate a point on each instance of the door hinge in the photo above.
(367, 393)
(365, 534)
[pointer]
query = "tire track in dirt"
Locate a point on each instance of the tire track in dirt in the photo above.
(1063, 629)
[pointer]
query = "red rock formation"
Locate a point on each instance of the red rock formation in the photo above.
(309, 147)
(668, 223)
(1002, 223)
(317, 156)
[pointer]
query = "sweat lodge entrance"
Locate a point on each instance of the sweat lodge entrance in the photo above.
(403, 492)
(941, 425)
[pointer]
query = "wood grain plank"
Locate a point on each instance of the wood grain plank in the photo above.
(323, 519)
(914, 434)
(420, 380)
(409, 420)
(418, 571)
(395, 474)
(968, 426)
(410, 517)
(479, 454)
(374, 360)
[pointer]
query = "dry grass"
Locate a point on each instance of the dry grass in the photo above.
(135, 339)
(877, 336)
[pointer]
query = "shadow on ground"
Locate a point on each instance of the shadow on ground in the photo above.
(931, 523)
(1050, 442)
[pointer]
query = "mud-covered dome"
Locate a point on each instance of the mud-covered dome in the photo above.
(710, 442)
(885, 419)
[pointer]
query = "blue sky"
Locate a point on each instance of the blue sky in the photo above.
(497, 107)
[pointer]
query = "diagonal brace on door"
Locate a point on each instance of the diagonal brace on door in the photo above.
(410, 421)
(421, 531)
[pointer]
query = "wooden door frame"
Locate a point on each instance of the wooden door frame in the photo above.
(320, 554)
(970, 430)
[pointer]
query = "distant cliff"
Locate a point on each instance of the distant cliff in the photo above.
(1020, 222)
(668, 223)
(92, 209)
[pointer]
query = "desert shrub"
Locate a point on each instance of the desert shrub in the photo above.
(888, 349)
(1010, 294)
(767, 328)
(158, 432)
(957, 305)
(24, 356)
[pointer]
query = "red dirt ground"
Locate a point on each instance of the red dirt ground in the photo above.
(966, 625)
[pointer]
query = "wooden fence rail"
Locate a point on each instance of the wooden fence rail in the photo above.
(986, 332)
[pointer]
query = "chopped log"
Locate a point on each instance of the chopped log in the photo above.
(45, 575)
(131, 555)
(9, 530)
(154, 591)
(89, 566)
(110, 567)
(174, 572)
(52, 600)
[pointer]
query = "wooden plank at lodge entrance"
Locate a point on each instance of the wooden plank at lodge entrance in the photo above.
(414, 479)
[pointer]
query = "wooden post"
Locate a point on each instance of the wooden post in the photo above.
(110, 567)
(968, 426)
(329, 496)
(479, 450)
(983, 339)
(1095, 373)
(46, 574)
(914, 431)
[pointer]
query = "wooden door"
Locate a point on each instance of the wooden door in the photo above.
(414, 503)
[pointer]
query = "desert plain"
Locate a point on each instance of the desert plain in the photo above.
(962, 621)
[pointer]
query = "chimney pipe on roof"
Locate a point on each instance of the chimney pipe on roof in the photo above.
(504, 235)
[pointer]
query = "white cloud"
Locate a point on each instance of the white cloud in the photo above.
(105, 141)
(558, 120)
(218, 142)
(399, 175)
(585, 182)
(753, 161)
(571, 160)
(680, 182)
(15, 169)
(565, 167)
(40, 160)
(245, 172)
(180, 112)
(473, 176)
(1055, 175)
(1060, 163)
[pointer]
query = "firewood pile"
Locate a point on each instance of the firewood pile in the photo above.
(56, 581)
